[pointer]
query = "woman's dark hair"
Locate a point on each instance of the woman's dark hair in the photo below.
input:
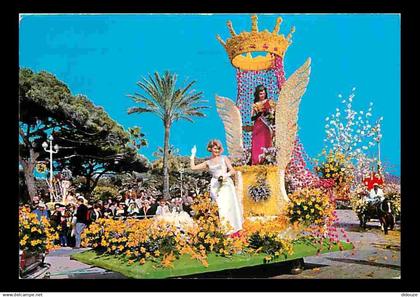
(258, 89)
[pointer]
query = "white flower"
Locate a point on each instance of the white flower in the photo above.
(361, 112)
(371, 103)
(327, 118)
(339, 95)
(354, 89)
(327, 126)
(368, 114)
(344, 101)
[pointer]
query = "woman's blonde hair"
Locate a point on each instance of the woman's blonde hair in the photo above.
(214, 142)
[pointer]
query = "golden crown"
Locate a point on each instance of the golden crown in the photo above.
(255, 41)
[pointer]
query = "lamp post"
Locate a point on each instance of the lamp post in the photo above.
(181, 171)
(45, 146)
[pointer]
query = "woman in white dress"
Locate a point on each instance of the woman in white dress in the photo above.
(222, 189)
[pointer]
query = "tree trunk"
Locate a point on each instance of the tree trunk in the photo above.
(166, 195)
(28, 171)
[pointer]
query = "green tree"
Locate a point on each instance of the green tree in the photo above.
(91, 143)
(170, 104)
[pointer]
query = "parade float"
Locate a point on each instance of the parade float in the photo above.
(278, 226)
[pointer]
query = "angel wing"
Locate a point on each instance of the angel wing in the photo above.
(232, 121)
(287, 112)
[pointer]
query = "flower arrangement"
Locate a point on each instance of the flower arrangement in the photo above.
(268, 156)
(35, 236)
(244, 159)
(337, 167)
(357, 203)
(260, 191)
(309, 206)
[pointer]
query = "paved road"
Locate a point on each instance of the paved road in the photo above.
(376, 256)
(63, 267)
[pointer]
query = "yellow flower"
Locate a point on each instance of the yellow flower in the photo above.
(142, 261)
(312, 210)
(305, 207)
(157, 253)
(142, 249)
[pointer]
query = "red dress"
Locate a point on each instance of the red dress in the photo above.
(261, 134)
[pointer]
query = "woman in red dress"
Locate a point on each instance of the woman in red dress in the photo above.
(263, 117)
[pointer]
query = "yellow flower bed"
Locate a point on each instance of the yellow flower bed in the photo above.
(35, 235)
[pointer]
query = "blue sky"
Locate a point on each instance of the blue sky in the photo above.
(103, 56)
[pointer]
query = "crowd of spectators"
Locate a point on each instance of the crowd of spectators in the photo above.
(76, 213)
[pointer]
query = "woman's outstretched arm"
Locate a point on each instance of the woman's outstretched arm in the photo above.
(200, 166)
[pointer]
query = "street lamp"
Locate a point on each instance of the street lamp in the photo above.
(45, 146)
(181, 171)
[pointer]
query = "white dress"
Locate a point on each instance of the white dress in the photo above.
(225, 196)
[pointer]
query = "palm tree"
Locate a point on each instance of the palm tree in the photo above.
(170, 104)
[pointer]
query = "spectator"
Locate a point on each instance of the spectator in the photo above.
(41, 211)
(63, 230)
(120, 211)
(35, 202)
(133, 210)
(55, 218)
(162, 208)
(108, 212)
(95, 213)
(81, 220)
(70, 215)
(113, 206)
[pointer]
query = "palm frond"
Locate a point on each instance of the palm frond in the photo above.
(137, 109)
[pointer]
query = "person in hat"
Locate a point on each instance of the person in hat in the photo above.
(41, 211)
(376, 194)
